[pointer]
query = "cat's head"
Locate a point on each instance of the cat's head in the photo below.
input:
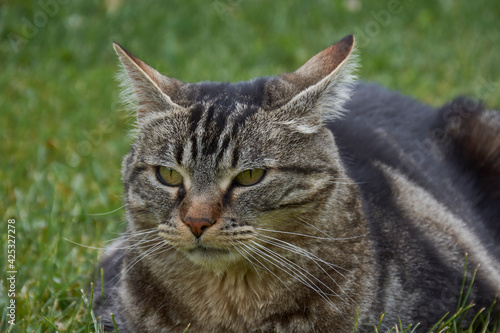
(218, 168)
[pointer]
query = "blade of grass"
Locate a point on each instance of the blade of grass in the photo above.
(102, 284)
(91, 319)
(377, 328)
(114, 322)
(356, 321)
(439, 322)
(470, 287)
(51, 324)
(464, 278)
(72, 320)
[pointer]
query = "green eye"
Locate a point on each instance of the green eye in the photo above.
(250, 177)
(168, 176)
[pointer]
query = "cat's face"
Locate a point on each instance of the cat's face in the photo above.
(217, 172)
(219, 169)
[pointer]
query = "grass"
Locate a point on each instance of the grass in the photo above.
(482, 320)
(63, 136)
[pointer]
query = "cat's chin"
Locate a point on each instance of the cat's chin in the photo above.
(210, 257)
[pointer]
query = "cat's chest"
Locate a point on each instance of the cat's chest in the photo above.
(240, 298)
(242, 295)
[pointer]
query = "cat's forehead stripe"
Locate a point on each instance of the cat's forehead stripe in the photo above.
(213, 125)
(217, 112)
(248, 92)
(195, 115)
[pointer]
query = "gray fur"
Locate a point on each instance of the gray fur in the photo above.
(340, 222)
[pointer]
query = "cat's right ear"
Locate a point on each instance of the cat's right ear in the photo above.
(318, 90)
(147, 86)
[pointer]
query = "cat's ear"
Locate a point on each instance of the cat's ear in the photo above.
(150, 89)
(317, 91)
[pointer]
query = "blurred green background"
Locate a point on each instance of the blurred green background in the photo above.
(63, 135)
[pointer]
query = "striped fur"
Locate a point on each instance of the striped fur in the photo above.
(345, 218)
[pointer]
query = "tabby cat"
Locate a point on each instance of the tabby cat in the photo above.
(292, 203)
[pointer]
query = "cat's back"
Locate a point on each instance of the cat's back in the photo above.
(452, 152)
(426, 176)
(385, 125)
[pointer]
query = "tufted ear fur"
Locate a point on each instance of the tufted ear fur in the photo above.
(145, 86)
(317, 91)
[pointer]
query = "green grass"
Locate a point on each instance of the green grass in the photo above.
(63, 137)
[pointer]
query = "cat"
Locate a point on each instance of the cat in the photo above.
(304, 202)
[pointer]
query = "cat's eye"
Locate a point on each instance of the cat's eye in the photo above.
(250, 177)
(168, 176)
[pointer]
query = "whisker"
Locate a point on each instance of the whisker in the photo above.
(281, 266)
(139, 244)
(303, 235)
(137, 259)
(85, 246)
(289, 271)
(133, 235)
(317, 260)
(322, 232)
(262, 265)
(298, 250)
(247, 259)
(106, 249)
(294, 265)
(350, 183)
(110, 212)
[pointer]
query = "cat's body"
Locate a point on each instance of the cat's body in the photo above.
(376, 218)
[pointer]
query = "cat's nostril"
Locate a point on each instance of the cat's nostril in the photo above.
(197, 226)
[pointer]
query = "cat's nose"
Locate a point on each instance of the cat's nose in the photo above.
(200, 212)
(197, 226)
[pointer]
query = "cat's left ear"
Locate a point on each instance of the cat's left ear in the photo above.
(317, 91)
(151, 89)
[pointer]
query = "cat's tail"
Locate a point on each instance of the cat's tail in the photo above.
(476, 134)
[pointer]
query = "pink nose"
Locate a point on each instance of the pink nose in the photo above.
(197, 225)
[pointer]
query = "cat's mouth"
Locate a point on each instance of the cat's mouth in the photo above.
(209, 256)
(207, 251)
